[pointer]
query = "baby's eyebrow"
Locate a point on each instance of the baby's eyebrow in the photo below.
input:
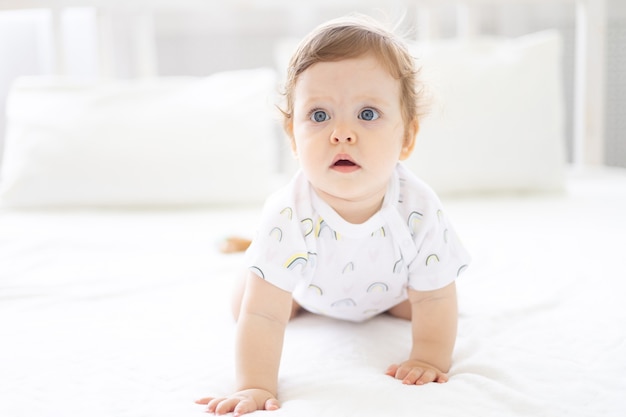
(313, 98)
(364, 100)
(373, 98)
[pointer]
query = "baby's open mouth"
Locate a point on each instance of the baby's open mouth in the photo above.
(344, 163)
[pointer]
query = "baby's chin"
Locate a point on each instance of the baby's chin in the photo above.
(351, 193)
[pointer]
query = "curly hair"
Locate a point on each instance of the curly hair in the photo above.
(353, 37)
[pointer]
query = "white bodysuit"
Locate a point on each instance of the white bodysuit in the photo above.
(356, 271)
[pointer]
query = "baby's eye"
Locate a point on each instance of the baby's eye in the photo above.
(319, 116)
(369, 114)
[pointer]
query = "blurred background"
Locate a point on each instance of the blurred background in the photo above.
(244, 34)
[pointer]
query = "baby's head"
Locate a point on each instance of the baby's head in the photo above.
(353, 37)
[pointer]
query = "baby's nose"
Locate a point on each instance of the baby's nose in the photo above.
(342, 138)
(343, 134)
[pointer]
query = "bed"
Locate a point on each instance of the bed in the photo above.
(114, 295)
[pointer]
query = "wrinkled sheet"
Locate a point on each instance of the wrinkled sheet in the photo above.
(126, 313)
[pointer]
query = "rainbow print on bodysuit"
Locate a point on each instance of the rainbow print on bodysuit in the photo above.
(378, 287)
(307, 226)
(299, 259)
(287, 212)
(321, 225)
(414, 221)
(277, 234)
(432, 259)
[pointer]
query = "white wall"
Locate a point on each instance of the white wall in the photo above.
(229, 38)
(22, 39)
(615, 150)
(26, 48)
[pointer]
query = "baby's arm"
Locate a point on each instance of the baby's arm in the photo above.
(434, 325)
(265, 311)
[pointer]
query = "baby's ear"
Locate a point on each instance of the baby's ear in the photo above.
(288, 127)
(409, 139)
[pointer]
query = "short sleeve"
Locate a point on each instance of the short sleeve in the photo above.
(278, 252)
(441, 257)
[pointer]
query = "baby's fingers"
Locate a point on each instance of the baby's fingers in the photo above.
(219, 405)
(398, 371)
(392, 370)
(272, 404)
(244, 407)
(419, 376)
(238, 405)
(248, 406)
(222, 405)
(416, 375)
(209, 401)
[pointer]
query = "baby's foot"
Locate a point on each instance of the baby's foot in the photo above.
(234, 244)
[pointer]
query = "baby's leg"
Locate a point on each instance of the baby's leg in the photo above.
(402, 310)
(237, 296)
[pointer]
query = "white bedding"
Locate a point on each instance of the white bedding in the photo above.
(125, 313)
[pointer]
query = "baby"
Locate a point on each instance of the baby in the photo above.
(354, 234)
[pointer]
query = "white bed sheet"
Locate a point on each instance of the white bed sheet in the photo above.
(125, 313)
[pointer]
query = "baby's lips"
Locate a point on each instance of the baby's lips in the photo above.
(343, 160)
(344, 163)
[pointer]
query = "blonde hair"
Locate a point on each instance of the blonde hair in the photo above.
(353, 37)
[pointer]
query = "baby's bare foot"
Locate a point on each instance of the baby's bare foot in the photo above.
(234, 244)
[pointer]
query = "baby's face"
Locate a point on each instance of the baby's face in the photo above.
(348, 131)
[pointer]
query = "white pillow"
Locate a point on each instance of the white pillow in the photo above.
(497, 118)
(167, 141)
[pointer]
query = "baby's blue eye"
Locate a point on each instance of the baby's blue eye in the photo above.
(319, 116)
(369, 114)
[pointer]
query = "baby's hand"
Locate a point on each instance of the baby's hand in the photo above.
(413, 372)
(241, 402)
